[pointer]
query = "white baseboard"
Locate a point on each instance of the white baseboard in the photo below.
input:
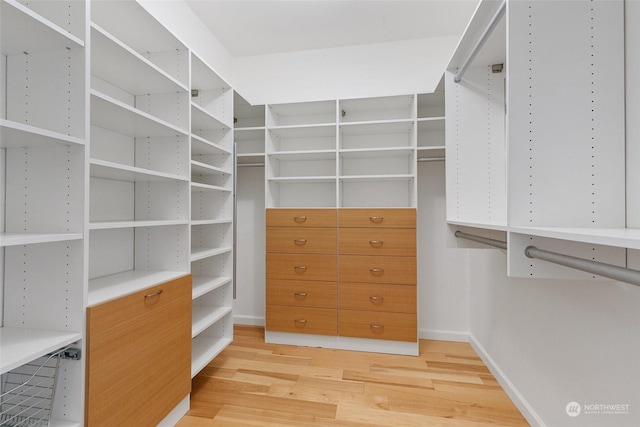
(523, 406)
(248, 320)
(443, 335)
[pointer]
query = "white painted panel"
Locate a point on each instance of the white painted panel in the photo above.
(377, 193)
(112, 146)
(443, 282)
(566, 113)
(157, 200)
(249, 306)
(33, 100)
(111, 200)
(309, 194)
(632, 61)
(162, 248)
(110, 251)
(46, 190)
(169, 107)
(43, 286)
(163, 154)
(475, 145)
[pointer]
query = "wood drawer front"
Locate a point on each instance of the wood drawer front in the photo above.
(317, 321)
(139, 356)
(280, 217)
(302, 240)
(378, 217)
(377, 269)
(378, 325)
(316, 267)
(378, 241)
(302, 293)
(377, 297)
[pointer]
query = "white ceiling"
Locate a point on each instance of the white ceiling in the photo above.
(254, 27)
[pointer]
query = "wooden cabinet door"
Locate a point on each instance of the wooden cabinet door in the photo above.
(139, 356)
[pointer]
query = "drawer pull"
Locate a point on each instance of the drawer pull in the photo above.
(154, 294)
(300, 268)
(376, 219)
(299, 219)
(376, 328)
(376, 271)
(300, 242)
(300, 295)
(300, 321)
(376, 299)
(376, 243)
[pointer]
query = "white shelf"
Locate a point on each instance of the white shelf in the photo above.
(205, 316)
(20, 345)
(19, 135)
(205, 169)
(202, 253)
(200, 145)
(17, 239)
(244, 158)
(108, 225)
(109, 113)
(617, 237)
(211, 221)
(436, 119)
(118, 64)
(303, 155)
(204, 285)
(374, 128)
(120, 172)
(204, 349)
(196, 186)
(431, 152)
(302, 179)
(486, 226)
(249, 129)
(201, 119)
(373, 178)
(376, 152)
(107, 288)
(23, 30)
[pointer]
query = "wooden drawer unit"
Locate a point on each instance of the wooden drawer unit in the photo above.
(378, 325)
(377, 297)
(378, 217)
(302, 218)
(139, 355)
(317, 267)
(378, 241)
(301, 293)
(301, 240)
(318, 321)
(383, 269)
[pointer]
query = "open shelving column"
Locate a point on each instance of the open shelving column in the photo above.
(42, 190)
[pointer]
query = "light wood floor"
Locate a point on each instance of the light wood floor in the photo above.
(256, 384)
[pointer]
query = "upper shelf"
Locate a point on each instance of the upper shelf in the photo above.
(24, 31)
(19, 135)
(110, 113)
(118, 64)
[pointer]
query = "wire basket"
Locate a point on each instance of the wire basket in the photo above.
(28, 391)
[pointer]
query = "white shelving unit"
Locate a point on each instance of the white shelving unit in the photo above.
(139, 159)
(530, 155)
(212, 176)
(249, 131)
(42, 187)
(345, 153)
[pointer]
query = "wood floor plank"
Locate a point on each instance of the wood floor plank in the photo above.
(252, 383)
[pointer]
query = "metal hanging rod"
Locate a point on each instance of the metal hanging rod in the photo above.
(483, 38)
(491, 242)
(431, 159)
(250, 165)
(615, 272)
